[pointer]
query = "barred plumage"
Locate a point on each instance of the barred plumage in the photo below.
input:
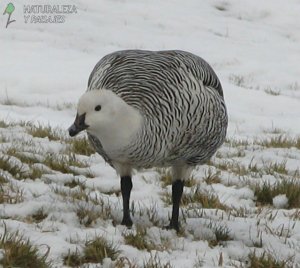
(180, 98)
(146, 108)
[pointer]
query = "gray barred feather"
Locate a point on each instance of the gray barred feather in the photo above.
(180, 98)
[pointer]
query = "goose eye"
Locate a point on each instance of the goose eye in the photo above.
(98, 108)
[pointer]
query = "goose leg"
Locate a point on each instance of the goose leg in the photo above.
(126, 186)
(177, 189)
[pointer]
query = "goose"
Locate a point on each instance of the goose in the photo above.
(145, 109)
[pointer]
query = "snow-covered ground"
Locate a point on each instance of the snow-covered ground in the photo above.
(253, 47)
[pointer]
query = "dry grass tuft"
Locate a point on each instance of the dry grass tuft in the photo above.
(139, 239)
(94, 251)
(266, 260)
(80, 146)
(18, 252)
(41, 131)
(155, 262)
(10, 194)
(280, 141)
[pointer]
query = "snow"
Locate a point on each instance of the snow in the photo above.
(280, 201)
(254, 48)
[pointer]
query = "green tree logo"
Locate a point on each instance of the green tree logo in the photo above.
(10, 8)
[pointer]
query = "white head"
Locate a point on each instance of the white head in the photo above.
(108, 117)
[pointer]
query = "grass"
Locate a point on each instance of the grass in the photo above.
(252, 169)
(89, 212)
(99, 248)
(151, 213)
(16, 170)
(196, 196)
(139, 239)
(272, 92)
(166, 178)
(87, 215)
(222, 6)
(280, 141)
(10, 194)
(265, 193)
(233, 142)
(274, 130)
(73, 259)
(91, 209)
(266, 260)
(80, 146)
(275, 167)
(294, 86)
(232, 166)
(19, 252)
(24, 157)
(40, 131)
(61, 163)
(38, 216)
(212, 177)
(3, 178)
(94, 251)
(222, 233)
(65, 164)
(74, 183)
(155, 262)
(6, 165)
(237, 80)
(4, 124)
(124, 262)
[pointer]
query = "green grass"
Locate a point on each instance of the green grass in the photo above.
(65, 163)
(19, 252)
(94, 251)
(3, 124)
(73, 259)
(266, 192)
(222, 233)
(196, 196)
(61, 163)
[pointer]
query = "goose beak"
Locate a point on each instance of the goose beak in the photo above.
(78, 126)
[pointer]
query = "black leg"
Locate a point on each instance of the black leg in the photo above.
(126, 186)
(177, 189)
